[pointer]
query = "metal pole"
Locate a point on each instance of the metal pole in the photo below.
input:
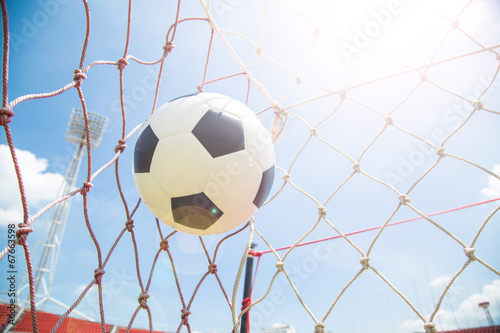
(247, 289)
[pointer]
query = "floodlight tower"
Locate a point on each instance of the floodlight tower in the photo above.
(485, 305)
(49, 243)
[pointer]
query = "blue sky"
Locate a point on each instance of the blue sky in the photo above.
(416, 257)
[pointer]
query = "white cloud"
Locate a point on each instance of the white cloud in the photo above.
(40, 187)
(441, 281)
(493, 189)
(468, 309)
(490, 293)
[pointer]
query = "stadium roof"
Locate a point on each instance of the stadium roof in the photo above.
(489, 329)
(46, 322)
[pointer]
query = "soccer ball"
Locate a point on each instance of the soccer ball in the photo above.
(203, 164)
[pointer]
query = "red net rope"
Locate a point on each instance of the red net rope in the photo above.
(25, 227)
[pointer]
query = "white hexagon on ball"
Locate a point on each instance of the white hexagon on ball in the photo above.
(203, 164)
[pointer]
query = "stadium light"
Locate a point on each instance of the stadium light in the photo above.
(485, 306)
(76, 127)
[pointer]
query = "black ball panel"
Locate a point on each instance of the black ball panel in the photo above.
(144, 150)
(266, 183)
(195, 211)
(219, 133)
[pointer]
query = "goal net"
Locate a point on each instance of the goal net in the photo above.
(383, 216)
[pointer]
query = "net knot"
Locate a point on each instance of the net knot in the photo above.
(423, 76)
(343, 95)
(22, 233)
(259, 50)
(212, 268)
(298, 79)
(98, 273)
(184, 316)
(478, 105)
(143, 300)
(122, 63)
(200, 88)
(278, 110)
(279, 265)
(404, 199)
(164, 245)
(317, 32)
(357, 167)
(121, 146)
(314, 132)
(365, 262)
(286, 177)
(322, 211)
(248, 75)
(498, 57)
(430, 327)
(455, 24)
(469, 252)
(129, 225)
(440, 151)
(389, 121)
(86, 188)
(211, 25)
(319, 328)
(168, 47)
(246, 303)
(79, 77)
(6, 115)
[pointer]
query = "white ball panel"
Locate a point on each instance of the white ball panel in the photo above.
(181, 165)
(233, 181)
(178, 116)
(258, 142)
(226, 104)
(152, 195)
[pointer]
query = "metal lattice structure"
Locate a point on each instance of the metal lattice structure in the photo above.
(49, 242)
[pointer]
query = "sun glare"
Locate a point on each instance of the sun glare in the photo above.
(406, 32)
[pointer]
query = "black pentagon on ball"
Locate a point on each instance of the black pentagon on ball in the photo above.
(144, 150)
(265, 187)
(219, 133)
(195, 211)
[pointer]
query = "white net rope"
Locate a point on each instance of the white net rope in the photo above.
(380, 118)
